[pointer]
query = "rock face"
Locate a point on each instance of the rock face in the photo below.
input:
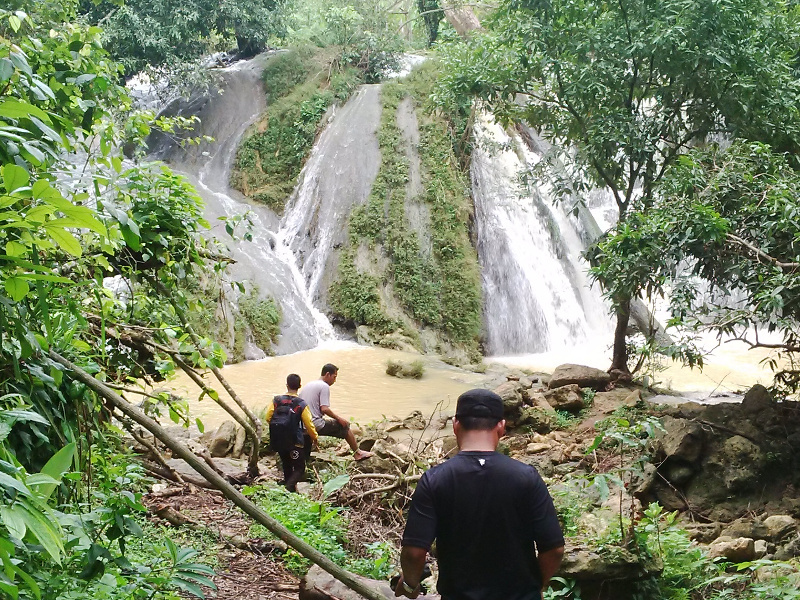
(733, 549)
(590, 377)
(223, 439)
(567, 397)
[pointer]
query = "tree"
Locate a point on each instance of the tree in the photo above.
(723, 225)
(624, 88)
(169, 35)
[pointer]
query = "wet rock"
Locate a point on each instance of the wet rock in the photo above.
(223, 439)
(252, 352)
(568, 397)
(238, 443)
(511, 394)
(416, 421)
(733, 549)
(705, 533)
(756, 399)
(745, 527)
(580, 375)
(779, 526)
(681, 439)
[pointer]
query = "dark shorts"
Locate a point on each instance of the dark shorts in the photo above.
(332, 428)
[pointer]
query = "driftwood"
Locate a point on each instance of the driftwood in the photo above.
(352, 581)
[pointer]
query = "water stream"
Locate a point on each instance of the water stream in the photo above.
(537, 294)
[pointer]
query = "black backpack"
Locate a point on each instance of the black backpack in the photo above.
(285, 422)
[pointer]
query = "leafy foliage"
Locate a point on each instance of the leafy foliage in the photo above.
(322, 526)
(623, 88)
(722, 227)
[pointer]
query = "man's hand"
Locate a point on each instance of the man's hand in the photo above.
(343, 422)
(400, 589)
(315, 446)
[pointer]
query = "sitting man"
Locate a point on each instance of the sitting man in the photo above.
(317, 395)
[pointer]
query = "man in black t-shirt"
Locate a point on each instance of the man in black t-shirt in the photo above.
(496, 530)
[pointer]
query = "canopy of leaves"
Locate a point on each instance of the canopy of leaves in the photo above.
(628, 85)
(722, 240)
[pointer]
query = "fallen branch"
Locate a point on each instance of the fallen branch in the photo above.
(180, 450)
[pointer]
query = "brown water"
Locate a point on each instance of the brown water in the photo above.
(364, 392)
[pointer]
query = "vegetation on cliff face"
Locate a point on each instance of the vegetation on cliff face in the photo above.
(439, 287)
(301, 84)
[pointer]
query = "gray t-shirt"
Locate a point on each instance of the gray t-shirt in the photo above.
(316, 394)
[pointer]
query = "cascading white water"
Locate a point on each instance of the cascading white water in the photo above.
(537, 295)
(337, 177)
(264, 262)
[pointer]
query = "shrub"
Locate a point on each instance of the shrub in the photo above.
(413, 370)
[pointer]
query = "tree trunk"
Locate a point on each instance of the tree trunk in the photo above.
(180, 450)
(619, 362)
(462, 18)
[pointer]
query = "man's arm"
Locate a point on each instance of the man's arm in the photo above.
(326, 410)
(412, 562)
(549, 562)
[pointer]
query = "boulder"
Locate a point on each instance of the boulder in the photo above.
(586, 564)
(536, 419)
(736, 550)
(680, 439)
(761, 548)
(511, 394)
(705, 533)
(538, 400)
(567, 397)
(779, 526)
(789, 550)
(535, 448)
(223, 439)
(252, 352)
(238, 443)
(743, 462)
(756, 399)
(320, 585)
(579, 375)
(745, 527)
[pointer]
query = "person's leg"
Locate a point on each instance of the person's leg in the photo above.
(332, 428)
(297, 462)
(286, 464)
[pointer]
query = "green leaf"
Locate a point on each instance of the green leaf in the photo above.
(14, 483)
(188, 586)
(200, 427)
(16, 249)
(10, 589)
(14, 22)
(6, 69)
(65, 240)
(14, 519)
(15, 109)
(59, 463)
(335, 485)
(43, 529)
(17, 288)
(14, 177)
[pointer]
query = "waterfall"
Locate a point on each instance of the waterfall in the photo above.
(337, 177)
(538, 297)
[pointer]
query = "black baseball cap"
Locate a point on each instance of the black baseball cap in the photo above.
(479, 403)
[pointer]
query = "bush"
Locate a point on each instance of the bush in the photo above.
(413, 370)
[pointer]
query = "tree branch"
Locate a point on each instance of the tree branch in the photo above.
(790, 266)
(180, 450)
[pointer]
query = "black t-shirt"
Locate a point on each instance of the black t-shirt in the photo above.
(486, 512)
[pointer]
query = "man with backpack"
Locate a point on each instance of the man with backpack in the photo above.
(288, 416)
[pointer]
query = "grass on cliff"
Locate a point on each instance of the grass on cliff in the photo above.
(300, 84)
(440, 289)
